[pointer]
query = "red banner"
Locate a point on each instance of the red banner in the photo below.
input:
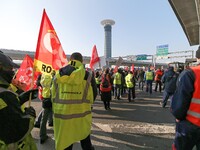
(24, 76)
(94, 58)
(49, 52)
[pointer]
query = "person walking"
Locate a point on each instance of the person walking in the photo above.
(98, 81)
(130, 83)
(73, 92)
(46, 82)
(117, 82)
(106, 88)
(141, 79)
(148, 77)
(39, 117)
(185, 108)
(169, 80)
(16, 123)
(158, 76)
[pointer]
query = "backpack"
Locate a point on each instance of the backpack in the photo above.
(105, 83)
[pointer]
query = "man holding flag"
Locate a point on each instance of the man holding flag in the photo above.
(16, 123)
(49, 56)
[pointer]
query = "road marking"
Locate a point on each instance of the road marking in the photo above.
(140, 128)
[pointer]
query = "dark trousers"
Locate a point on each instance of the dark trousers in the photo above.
(158, 83)
(141, 84)
(86, 144)
(131, 93)
(187, 136)
(106, 104)
(149, 86)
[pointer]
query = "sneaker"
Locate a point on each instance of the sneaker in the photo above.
(162, 105)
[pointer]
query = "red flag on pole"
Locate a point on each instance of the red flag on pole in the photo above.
(132, 68)
(25, 73)
(94, 58)
(49, 52)
(115, 69)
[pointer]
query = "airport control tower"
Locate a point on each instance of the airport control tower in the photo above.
(107, 41)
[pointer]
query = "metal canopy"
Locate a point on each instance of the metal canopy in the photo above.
(187, 12)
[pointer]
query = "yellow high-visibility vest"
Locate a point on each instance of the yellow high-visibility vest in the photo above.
(72, 97)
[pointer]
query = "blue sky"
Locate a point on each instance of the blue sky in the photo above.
(140, 25)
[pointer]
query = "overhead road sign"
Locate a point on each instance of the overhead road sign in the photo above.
(141, 57)
(162, 50)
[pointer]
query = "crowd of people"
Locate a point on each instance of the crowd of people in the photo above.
(68, 94)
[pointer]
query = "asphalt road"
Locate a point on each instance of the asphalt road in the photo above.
(142, 124)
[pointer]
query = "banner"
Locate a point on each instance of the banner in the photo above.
(94, 58)
(24, 76)
(49, 52)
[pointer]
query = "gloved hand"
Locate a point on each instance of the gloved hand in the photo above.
(24, 97)
(30, 111)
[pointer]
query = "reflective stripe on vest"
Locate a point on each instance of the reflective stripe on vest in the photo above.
(193, 113)
(77, 101)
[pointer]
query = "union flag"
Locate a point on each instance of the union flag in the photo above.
(25, 75)
(49, 52)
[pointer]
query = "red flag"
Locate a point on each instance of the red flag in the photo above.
(95, 58)
(132, 68)
(25, 73)
(49, 53)
(115, 69)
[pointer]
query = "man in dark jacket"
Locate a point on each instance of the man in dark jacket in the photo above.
(169, 79)
(185, 108)
(16, 123)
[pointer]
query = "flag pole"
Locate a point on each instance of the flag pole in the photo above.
(32, 82)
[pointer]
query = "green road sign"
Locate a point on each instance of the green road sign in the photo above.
(141, 57)
(162, 50)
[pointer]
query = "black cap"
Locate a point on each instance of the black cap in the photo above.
(6, 61)
(198, 53)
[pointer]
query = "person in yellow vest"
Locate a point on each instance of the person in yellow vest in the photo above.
(130, 83)
(185, 107)
(46, 82)
(98, 80)
(148, 77)
(73, 92)
(16, 123)
(117, 83)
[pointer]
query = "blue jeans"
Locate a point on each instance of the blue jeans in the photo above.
(149, 86)
(166, 96)
(117, 91)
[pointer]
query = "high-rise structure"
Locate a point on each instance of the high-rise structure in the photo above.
(108, 39)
